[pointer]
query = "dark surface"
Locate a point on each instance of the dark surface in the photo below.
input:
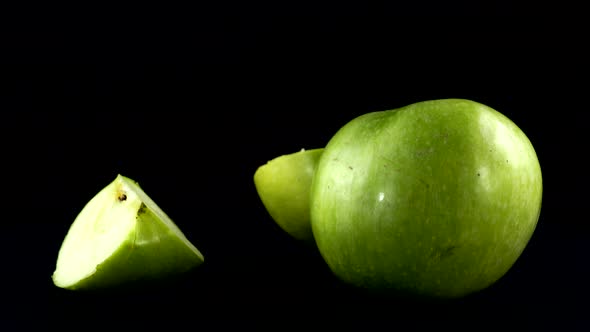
(190, 109)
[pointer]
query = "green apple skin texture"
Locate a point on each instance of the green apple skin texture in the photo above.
(283, 185)
(122, 236)
(435, 199)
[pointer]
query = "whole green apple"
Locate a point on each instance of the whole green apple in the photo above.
(435, 199)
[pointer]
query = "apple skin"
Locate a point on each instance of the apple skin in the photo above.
(437, 199)
(283, 185)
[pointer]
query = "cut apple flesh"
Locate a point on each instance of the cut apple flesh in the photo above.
(121, 235)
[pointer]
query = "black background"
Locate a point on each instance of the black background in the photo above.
(190, 101)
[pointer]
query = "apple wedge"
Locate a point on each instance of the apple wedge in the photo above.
(283, 185)
(122, 236)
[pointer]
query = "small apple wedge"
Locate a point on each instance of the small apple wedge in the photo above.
(122, 236)
(283, 185)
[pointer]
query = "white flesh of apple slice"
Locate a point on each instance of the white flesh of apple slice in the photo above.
(121, 235)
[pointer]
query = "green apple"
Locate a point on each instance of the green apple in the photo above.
(437, 199)
(283, 185)
(122, 236)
